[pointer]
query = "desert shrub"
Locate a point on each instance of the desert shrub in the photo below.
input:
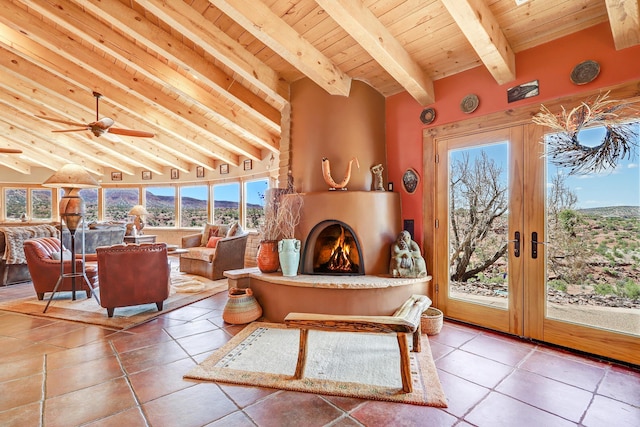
(604, 289)
(558, 285)
(628, 289)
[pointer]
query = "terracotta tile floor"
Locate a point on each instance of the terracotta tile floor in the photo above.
(56, 373)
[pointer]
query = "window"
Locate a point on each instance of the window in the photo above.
(118, 202)
(226, 203)
(193, 205)
(41, 204)
(15, 203)
(161, 205)
(90, 197)
(254, 202)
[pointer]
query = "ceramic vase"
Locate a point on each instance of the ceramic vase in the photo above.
(267, 257)
(242, 307)
(289, 253)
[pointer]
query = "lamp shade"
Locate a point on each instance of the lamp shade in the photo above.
(71, 176)
(138, 210)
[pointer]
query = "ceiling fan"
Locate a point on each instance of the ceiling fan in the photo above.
(10, 151)
(101, 127)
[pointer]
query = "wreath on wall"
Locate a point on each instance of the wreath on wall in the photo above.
(619, 142)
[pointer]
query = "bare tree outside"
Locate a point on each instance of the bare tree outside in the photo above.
(478, 216)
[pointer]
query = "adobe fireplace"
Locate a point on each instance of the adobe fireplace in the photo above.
(334, 249)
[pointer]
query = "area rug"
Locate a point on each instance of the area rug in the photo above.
(185, 289)
(347, 364)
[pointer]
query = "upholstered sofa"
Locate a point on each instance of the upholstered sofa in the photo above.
(13, 266)
(43, 260)
(212, 262)
(133, 275)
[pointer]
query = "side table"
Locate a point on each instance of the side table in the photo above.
(144, 238)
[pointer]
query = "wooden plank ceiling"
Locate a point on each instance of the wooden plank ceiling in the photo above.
(210, 78)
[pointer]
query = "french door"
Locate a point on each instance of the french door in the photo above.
(518, 251)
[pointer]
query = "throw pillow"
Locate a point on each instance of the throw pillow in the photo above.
(209, 231)
(66, 255)
(213, 241)
(235, 230)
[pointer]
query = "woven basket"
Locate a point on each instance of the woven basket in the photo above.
(431, 321)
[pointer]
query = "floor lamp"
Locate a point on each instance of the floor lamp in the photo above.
(71, 178)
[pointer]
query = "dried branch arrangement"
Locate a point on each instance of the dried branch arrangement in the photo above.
(283, 207)
(565, 149)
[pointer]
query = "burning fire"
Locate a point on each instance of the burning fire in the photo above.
(339, 260)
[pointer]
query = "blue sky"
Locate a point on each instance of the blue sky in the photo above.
(615, 187)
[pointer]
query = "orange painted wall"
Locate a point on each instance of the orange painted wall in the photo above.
(551, 64)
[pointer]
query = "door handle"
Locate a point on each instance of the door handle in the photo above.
(534, 245)
(516, 246)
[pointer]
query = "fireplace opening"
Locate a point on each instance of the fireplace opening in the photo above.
(334, 249)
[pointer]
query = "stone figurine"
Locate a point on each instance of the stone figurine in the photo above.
(376, 170)
(406, 258)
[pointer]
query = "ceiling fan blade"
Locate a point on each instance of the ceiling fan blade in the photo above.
(68, 130)
(131, 132)
(66, 122)
(10, 151)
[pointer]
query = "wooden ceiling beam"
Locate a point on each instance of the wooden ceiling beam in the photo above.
(238, 127)
(40, 98)
(168, 120)
(624, 20)
(195, 27)
(361, 24)
(43, 149)
(258, 19)
(170, 47)
(12, 161)
(481, 29)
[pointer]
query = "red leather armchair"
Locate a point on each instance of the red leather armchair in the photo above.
(133, 275)
(45, 270)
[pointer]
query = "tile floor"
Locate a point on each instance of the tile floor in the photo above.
(57, 373)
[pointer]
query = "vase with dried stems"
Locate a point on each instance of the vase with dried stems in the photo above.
(282, 209)
(288, 218)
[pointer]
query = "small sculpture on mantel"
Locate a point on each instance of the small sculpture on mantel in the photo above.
(326, 174)
(376, 170)
(406, 258)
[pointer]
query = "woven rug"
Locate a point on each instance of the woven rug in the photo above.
(347, 364)
(185, 289)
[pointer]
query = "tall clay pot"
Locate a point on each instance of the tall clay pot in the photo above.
(267, 258)
(289, 254)
(242, 307)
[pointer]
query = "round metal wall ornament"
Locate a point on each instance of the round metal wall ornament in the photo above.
(585, 72)
(469, 103)
(410, 180)
(428, 115)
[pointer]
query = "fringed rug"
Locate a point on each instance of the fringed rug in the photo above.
(347, 364)
(185, 289)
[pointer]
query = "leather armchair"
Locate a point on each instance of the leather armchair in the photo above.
(133, 274)
(45, 270)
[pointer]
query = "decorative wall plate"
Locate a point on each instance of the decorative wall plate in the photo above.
(410, 180)
(428, 115)
(469, 103)
(585, 72)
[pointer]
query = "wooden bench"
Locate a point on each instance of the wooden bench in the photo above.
(406, 320)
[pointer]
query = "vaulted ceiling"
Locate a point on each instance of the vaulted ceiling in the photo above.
(210, 78)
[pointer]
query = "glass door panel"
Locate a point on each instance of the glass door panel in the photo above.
(478, 224)
(479, 212)
(593, 249)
